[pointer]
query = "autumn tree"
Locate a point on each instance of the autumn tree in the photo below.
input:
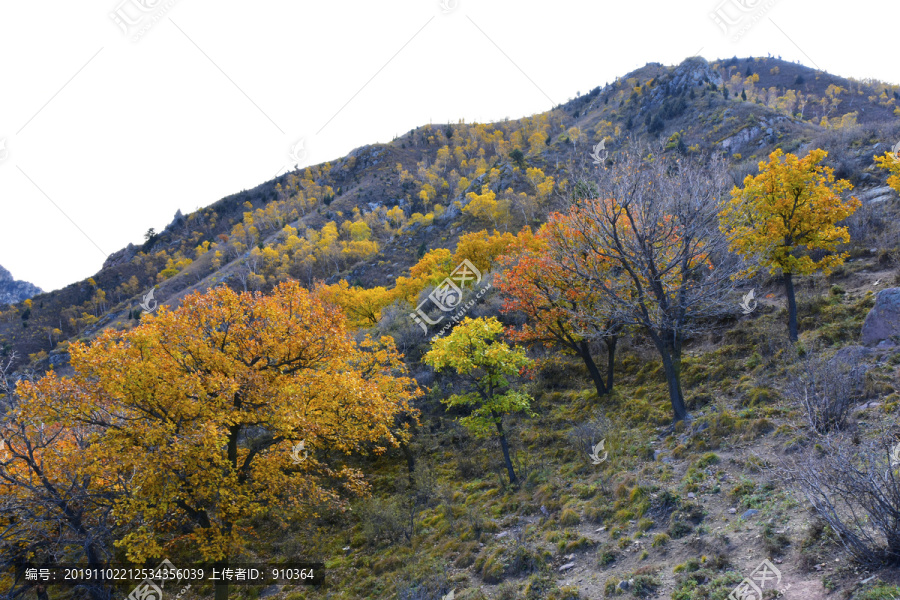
(51, 510)
(487, 364)
(891, 162)
(653, 224)
(549, 296)
(787, 215)
(196, 411)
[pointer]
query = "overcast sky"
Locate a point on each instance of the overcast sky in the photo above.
(117, 113)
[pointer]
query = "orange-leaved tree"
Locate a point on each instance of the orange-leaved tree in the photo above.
(199, 414)
(553, 299)
(787, 212)
(52, 509)
(647, 243)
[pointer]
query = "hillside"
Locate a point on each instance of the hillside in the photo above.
(684, 510)
(410, 193)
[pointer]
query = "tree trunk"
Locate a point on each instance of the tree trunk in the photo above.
(671, 359)
(410, 460)
(611, 342)
(505, 445)
(221, 586)
(792, 306)
(584, 352)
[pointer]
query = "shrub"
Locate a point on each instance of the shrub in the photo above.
(826, 390)
(856, 490)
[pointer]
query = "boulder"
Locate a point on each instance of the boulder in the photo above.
(883, 321)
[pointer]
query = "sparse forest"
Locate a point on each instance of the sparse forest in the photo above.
(488, 361)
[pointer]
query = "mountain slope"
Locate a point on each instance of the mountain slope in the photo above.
(368, 216)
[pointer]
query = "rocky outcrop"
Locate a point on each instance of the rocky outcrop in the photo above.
(12, 291)
(882, 324)
(121, 256)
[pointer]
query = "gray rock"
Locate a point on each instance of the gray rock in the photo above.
(883, 321)
(625, 584)
(566, 567)
(12, 291)
(749, 513)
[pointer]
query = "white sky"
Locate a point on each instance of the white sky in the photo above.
(107, 137)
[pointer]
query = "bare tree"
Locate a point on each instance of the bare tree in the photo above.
(856, 490)
(649, 241)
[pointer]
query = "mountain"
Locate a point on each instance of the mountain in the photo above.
(368, 217)
(782, 479)
(13, 291)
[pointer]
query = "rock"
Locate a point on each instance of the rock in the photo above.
(749, 513)
(566, 567)
(876, 195)
(732, 511)
(850, 355)
(270, 591)
(883, 321)
(12, 291)
(625, 584)
(502, 534)
(691, 495)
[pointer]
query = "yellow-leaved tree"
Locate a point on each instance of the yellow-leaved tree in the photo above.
(788, 211)
(198, 416)
(891, 162)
